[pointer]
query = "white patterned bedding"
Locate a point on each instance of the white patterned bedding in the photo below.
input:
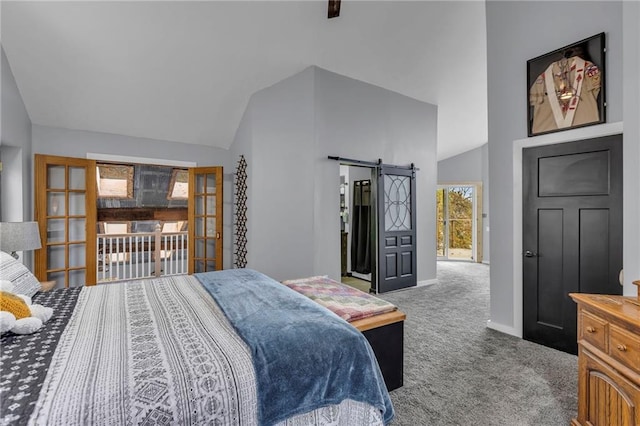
(158, 351)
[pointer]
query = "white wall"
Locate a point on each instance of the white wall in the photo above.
(471, 166)
(518, 31)
(294, 206)
(77, 143)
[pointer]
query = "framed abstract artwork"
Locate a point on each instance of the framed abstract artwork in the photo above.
(566, 87)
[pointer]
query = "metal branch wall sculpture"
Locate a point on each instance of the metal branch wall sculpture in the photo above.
(240, 260)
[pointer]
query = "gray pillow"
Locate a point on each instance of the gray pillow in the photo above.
(23, 280)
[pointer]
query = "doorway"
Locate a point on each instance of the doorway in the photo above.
(458, 222)
(572, 233)
(66, 208)
(378, 224)
(357, 219)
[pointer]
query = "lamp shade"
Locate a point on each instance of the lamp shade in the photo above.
(19, 236)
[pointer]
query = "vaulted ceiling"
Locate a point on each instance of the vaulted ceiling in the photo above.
(184, 71)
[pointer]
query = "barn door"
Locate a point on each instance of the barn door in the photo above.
(65, 208)
(396, 228)
(205, 219)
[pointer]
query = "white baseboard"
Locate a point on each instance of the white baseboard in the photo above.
(427, 282)
(503, 328)
(486, 262)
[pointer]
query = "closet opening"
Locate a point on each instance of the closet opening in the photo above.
(378, 224)
(357, 227)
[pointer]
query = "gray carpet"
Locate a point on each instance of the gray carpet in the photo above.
(458, 372)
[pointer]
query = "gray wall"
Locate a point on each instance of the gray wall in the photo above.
(15, 151)
(276, 135)
(471, 166)
(15, 143)
(294, 125)
(465, 167)
(77, 143)
(518, 31)
(242, 146)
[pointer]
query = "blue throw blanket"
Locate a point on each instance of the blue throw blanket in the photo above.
(304, 356)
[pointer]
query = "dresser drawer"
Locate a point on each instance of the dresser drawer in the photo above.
(594, 330)
(625, 347)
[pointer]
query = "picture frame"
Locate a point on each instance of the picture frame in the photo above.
(566, 87)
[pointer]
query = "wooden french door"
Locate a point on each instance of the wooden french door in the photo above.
(205, 219)
(65, 208)
(572, 233)
(396, 228)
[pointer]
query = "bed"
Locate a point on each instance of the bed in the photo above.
(228, 347)
(379, 321)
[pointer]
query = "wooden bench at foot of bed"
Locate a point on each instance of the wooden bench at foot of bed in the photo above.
(381, 323)
(385, 333)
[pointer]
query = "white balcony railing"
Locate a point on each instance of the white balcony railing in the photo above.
(141, 255)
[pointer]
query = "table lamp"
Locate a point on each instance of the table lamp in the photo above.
(19, 236)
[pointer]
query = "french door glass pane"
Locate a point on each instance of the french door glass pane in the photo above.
(211, 184)
(199, 247)
(56, 177)
(211, 226)
(55, 230)
(77, 255)
(199, 205)
(211, 248)
(77, 278)
(55, 204)
(211, 205)
(77, 229)
(199, 226)
(55, 257)
(76, 178)
(76, 204)
(199, 184)
(58, 277)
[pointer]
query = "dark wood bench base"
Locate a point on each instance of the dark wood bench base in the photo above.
(385, 334)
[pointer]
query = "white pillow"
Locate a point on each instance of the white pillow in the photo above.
(41, 312)
(23, 280)
(7, 321)
(27, 325)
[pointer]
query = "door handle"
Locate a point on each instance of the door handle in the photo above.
(530, 253)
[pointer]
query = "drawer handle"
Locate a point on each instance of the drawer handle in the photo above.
(591, 329)
(622, 347)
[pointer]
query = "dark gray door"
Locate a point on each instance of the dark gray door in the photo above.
(396, 228)
(572, 233)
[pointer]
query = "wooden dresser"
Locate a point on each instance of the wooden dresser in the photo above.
(608, 360)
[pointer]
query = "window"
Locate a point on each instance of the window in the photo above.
(179, 185)
(172, 226)
(114, 181)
